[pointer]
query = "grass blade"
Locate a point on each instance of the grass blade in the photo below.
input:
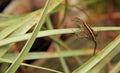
(98, 57)
(45, 55)
(116, 69)
(105, 61)
(52, 32)
(33, 66)
(29, 43)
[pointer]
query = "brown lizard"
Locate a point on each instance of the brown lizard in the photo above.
(88, 30)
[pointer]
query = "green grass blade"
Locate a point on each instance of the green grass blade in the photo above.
(61, 58)
(7, 31)
(61, 43)
(116, 69)
(18, 19)
(105, 61)
(98, 57)
(24, 28)
(4, 49)
(11, 21)
(44, 55)
(58, 41)
(29, 43)
(52, 32)
(28, 65)
(5, 15)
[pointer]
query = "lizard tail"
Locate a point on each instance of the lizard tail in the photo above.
(95, 47)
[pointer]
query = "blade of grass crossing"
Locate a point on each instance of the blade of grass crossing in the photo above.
(98, 57)
(105, 60)
(29, 43)
(46, 55)
(7, 31)
(61, 58)
(4, 49)
(52, 32)
(66, 47)
(29, 65)
(116, 69)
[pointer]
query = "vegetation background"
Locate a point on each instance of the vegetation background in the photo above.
(39, 36)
